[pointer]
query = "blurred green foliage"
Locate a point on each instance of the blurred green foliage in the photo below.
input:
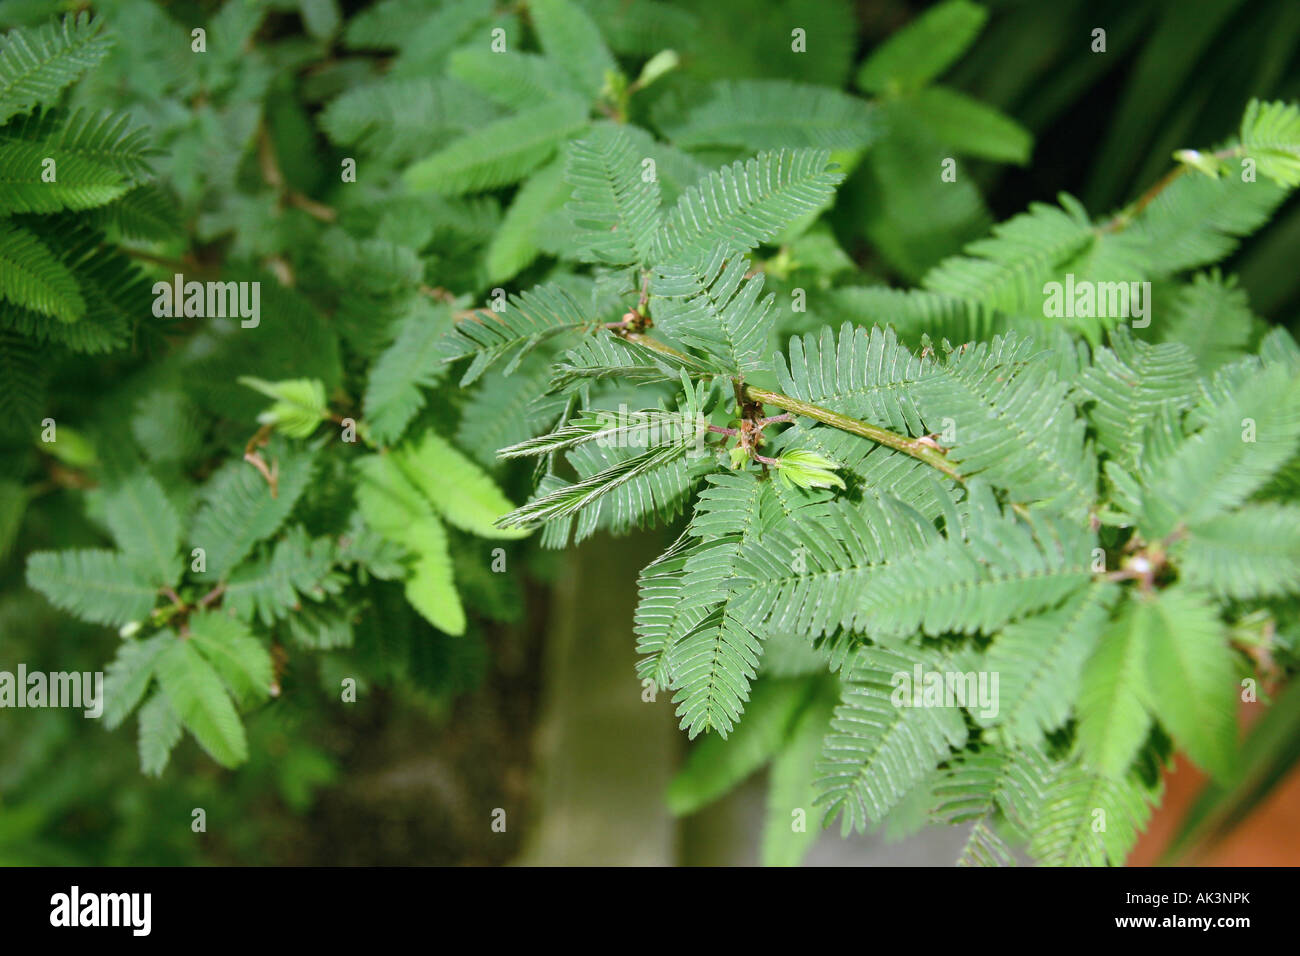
(236, 168)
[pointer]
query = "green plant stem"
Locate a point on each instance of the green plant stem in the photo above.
(910, 446)
(641, 339)
(1126, 216)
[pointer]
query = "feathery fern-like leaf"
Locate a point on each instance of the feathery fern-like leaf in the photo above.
(636, 470)
(969, 126)
(239, 658)
(733, 210)
(613, 204)
(528, 319)
(924, 48)
(24, 374)
(413, 362)
(512, 78)
(1010, 420)
(1191, 678)
(877, 749)
(1039, 660)
(1128, 383)
(1008, 270)
(397, 510)
(1113, 720)
(238, 508)
(570, 38)
(145, 525)
(160, 732)
(1270, 133)
(35, 65)
(30, 276)
(997, 789)
(102, 587)
(500, 153)
(267, 588)
(1248, 435)
(199, 699)
(106, 140)
(662, 618)
(715, 310)
(461, 492)
(1000, 570)
(810, 576)
(866, 375)
(1089, 819)
(1252, 552)
(771, 114)
(129, 675)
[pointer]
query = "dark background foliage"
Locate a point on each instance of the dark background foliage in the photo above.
(411, 774)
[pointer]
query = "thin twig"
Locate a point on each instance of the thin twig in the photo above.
(438, 293)
(917, 449)
(212, 595)
(1125, 216)
(176, 265)
(274, 178)
(641, 338)
(910, 446)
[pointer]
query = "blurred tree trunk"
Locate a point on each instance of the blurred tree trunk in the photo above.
(603, 758)
(603, 755)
